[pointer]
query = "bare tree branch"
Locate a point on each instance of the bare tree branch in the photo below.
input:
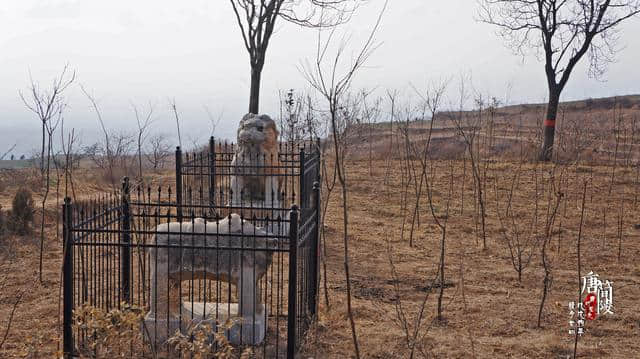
(10, 320)
(335, 93)
(8, 151)
(257, 20)
(47, 104)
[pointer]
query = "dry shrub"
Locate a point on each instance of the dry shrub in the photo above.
(13, 178)
(119, 333)
(201, 342)
(110, 334)
(6, 244)
(21, 215)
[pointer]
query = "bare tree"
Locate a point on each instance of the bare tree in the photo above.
(69, 159)
(298, 120)
(174, 109)
(159, 150)
(257, 20)
(554, 198)
(411, 330)
(441, 220)
(212, 120)
(47, 104)
(520, 241)
(563, 32)
(114, 152)
(371, 114)
(143, 126)
(468, 127)
(392, 95)
(582, 208)
(432, 100)
(334, 87)
(291, 107)
(50, 127)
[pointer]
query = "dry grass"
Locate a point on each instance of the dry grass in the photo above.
(494, 318)
(500, 315)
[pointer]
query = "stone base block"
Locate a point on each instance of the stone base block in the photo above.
(250, 330)
(158, 331)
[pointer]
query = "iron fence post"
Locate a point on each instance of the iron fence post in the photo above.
(125, 243)
(303, 194)
(293, 275)
(212, 171)
(313, 292)
(179, 183)
(67, 270)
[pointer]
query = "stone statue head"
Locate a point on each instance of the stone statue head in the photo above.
(256, 160)
(257, 134)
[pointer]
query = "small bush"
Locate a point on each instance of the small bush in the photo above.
(115, 333)
(21, 214)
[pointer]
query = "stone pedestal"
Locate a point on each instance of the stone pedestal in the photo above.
(245, 331)
(159, 330)
(249, 330)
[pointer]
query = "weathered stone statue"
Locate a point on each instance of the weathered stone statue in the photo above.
(254, 183)
(170, 264)
(255, 165)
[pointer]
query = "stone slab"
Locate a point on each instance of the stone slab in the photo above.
(245, 331)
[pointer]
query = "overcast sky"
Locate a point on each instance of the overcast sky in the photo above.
(154, 50)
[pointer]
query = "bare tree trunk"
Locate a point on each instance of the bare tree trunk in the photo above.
(44, 123)
(551, 215)
(584, 196)
(442, 252)
(254, 94)
(10, 320)
(550, 125)
(613, 173)
(329, 185)
(620, 226)
(345, 227)
(140, 156)
(464, 176)
(44, 201)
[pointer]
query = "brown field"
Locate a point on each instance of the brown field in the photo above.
(491, 314)
(487, 312)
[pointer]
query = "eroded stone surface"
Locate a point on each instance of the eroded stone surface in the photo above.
(255, 165)
(172, 264)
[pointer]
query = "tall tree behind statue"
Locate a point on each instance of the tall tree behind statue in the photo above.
(257, 20)
(565, 31)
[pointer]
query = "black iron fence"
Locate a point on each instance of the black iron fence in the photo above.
(202, 252)
(205, 176)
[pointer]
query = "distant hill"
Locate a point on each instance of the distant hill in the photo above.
(628, 102)
(584, 129)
